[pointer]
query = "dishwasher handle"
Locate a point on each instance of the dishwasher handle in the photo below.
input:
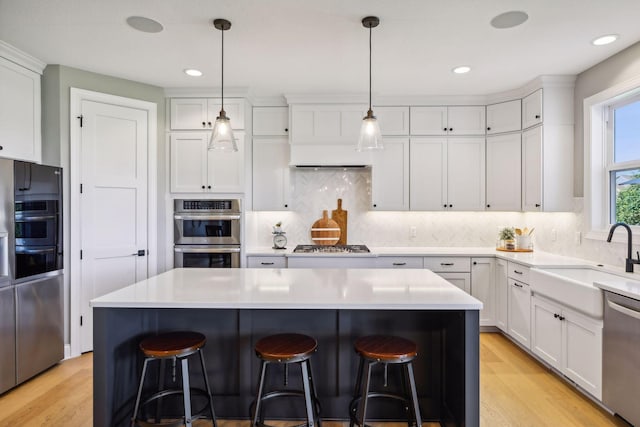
(624, 310)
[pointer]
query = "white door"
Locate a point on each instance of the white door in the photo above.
(113, 203)
(546, 331)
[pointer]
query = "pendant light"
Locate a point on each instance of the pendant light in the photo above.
(370, 136)
(222, 136)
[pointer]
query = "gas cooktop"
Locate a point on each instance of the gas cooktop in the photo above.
(325, 249)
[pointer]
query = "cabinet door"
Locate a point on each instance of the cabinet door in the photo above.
(504, 117)
(467, 120)
(482, 287)
(504, 186)
(20, 133)
(428, 121)
(225, 172)
(583, 351)
(532, 109)
(502, 295)
(189, 114)
(520, 312)
(465, 174)
(270, 121)
(188, 162)
(428, 174)
(546, 331)
(330, 124)
(532, 170)
(270, 174)
(394, 121)
(398, 262)
(390, 176)
(233, 107)
(460, 280)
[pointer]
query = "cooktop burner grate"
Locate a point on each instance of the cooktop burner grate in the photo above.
(337, 249)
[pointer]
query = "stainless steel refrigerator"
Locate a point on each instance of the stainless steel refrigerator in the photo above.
(31, 318)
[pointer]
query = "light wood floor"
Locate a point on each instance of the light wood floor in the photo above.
(515, 390)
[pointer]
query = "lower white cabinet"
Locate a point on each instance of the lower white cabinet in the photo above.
(520, 312)
(461, 280)
(267, 262)
(271, 185)
(390, 176)
(456, 270)
(501, 281)
(328, 261)
(196, 169)
(398, 262)
(482, 288)
(570, 342)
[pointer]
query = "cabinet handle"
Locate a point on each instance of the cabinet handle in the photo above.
(561, 317)
(517, 284)
(266, 263)
(446, 263)
(517, 272)
(399, 263)
(537, 116)
(537, 205)
(556, 315)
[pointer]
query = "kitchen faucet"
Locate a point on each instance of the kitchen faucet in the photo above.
(629, 261)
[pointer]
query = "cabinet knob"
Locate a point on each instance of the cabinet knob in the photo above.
(375, 206)
(561, 317)
(475, 262)
(488, 128)
(286, 206)
(556, 315)
(445, 205)
(537, 116)
(203, 187)
(204, 124)
(450, 206)
(537, 205)
(209, 124)
(286, 129)
(450, 129)
(208, 187)
(488, 206)
(1, 147)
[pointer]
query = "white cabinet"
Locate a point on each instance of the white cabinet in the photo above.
(20, 122)
(520, 312)
(447, 174)
(322, 261)
(504, 186)
(195, 169)
(460, 280)
(483, 288)
(266, 262)
(327, 123)
(456, 120)
(456, 270)
(393, 121)
(568, 341)
(532, 109)
(504, 117)
(201, 113)
(532, 169)
(390, 176)
(271, 185)
(270, 121)
(502, 295)
(398, 262)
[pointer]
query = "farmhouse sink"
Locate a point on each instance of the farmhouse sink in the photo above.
(572, 287)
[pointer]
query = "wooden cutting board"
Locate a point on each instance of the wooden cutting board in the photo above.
(340, 216)
(325, 231)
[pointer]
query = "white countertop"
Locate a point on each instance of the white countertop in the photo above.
(626, 287)
(364, 289)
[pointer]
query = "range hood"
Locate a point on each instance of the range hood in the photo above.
(328, 156)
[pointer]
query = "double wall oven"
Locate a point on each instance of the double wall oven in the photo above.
(206, 233)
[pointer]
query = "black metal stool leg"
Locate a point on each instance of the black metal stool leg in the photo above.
(307, 393)
(186, 392)
(137, 405)
(258, 407)
(314, 396)
(362, 407)
(414, 395)
(353, 407)
(208, 388)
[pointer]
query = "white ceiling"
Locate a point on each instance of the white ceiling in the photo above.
(300, 46)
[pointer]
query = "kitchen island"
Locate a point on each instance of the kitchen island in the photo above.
(236, 307)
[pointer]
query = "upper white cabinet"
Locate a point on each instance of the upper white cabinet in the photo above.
(326, 123)
(532, 168)
(271, 188)
(457, 120)
(201, 113)
(532, 109)
(20, 115)
(504, 117)
(270, 121)
(393, 121)
(447, 174)
(504, 191)
(195, 169)
(390, 176)
(482, 288)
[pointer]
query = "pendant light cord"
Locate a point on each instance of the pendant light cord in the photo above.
(222, 76)
(369, 68)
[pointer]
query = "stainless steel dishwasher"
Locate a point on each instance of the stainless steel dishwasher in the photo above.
(621, 356)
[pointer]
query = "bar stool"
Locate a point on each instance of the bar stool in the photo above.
(375, 349)
(286, 349)
(174, 346)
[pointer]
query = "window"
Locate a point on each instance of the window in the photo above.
(623, 161)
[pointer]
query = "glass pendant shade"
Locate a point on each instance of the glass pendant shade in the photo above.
(370, 136)
(222, 136)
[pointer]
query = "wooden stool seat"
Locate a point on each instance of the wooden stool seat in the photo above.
(387, 349)
(286, 348)
(172, 344)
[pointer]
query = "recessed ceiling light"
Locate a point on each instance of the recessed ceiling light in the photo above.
(509, 19)
(461, 69)
(146, 25)
(193, 72)
(602, 40)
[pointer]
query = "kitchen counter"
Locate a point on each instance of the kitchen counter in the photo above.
(236, 307)
(626, 287)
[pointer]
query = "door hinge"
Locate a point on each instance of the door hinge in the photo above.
(80, 253)
(81, 117)
(80, 320)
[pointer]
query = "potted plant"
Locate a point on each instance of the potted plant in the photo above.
(507, 238)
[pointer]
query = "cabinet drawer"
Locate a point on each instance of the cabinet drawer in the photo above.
(267, 262)
(518, 272)
(443, 264)
(398, 262)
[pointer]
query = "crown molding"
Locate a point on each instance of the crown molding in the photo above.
(21, 58)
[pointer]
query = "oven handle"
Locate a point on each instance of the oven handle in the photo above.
(26, 218)
(206, 250)
(206, 217)
(34, 251)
